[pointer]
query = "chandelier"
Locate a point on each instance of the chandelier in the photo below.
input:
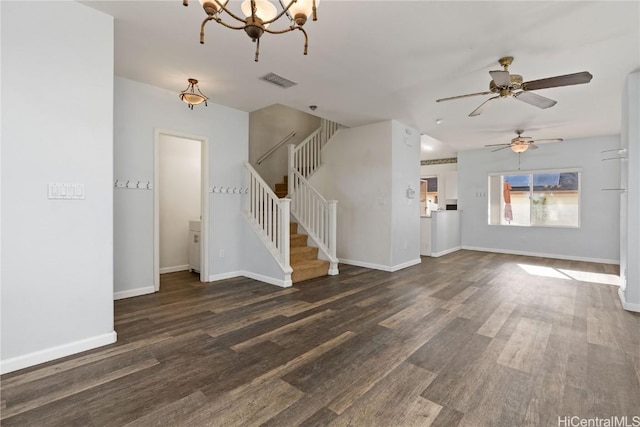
(190, 96)
(259, 14)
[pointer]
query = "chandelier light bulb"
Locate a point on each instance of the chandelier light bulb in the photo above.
(302, 10)
(265, 10)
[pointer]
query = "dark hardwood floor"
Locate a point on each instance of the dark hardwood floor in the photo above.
(469, 339)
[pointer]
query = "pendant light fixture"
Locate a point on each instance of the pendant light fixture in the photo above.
(259, 15)
(190, 96)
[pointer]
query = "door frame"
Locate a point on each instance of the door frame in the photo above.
(204, 202)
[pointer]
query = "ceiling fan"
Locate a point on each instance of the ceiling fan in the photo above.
(520, 143)
(505, 84)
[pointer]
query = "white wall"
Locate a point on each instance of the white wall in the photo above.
(179, 188)
(630, 200)
(367, 169)
(597, 239)
(267, 127)
(139, 109)
(57, 126)
(405, 212)
(441, 171)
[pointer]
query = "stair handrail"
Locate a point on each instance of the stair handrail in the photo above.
(315, 214)
(275, 147)
(270, 216)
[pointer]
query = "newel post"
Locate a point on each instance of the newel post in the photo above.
(333, 229)
(290, 168)
(284, 230)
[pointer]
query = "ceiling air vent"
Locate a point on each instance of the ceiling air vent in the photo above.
(277, 80)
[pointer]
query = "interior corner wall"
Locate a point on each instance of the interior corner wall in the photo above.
(180, 170)
(405, 209)
(630, 199)
(267, 127)
(139, 110)
(357, 173)
(597, 238)
(57, 255)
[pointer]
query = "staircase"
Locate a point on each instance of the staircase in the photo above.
(269, 212)
(303, 258)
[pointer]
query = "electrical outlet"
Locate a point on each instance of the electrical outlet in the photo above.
(221, 254)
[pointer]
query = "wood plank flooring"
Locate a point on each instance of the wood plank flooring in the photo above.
(468, 339)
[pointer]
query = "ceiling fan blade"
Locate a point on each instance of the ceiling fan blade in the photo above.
(462, 96)
(497, 145)
(532, 146)
(545, 141)
(501, 78)
(501, 148)
(483, 106)
(534, 99)
(566, 80)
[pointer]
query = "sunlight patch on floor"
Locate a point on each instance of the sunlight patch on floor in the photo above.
(586, 276)
(562, 273)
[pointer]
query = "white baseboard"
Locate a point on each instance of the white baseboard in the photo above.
(389, 268)
(223, 276)
(543, 255)
(174, 269)
(405, 264)
(134, 292)
(255, 276)
(286, 283)
(442, 253)
(627, 305)
(48, 354)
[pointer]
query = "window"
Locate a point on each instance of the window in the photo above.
(538, 199)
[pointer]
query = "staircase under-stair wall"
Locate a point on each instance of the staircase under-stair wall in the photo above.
(311, 219)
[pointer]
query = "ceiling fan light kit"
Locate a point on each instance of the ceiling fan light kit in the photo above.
(505, 84)
(259, 15)
(520, 143)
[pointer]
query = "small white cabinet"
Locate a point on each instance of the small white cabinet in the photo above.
(194, 245)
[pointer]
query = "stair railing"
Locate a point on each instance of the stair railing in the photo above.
(316, 215)
(270, 216)
(275, 147)
(306, 157)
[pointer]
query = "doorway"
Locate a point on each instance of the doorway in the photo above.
(181, 208)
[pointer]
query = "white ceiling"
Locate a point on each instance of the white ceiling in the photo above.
(378, 60)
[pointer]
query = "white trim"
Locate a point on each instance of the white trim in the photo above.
(387, 268)
(406, 264)
(543, 255)
(629, 306)
(204, 202)
(129, 293)
(52, 353)
(286, 283)
(445, 252)
(224, 276)
(174, 269)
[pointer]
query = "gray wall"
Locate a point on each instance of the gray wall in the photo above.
(630, 200)
(267, 127)
(139, 110)
(597, 239)
(57, 126)
(368, 169)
